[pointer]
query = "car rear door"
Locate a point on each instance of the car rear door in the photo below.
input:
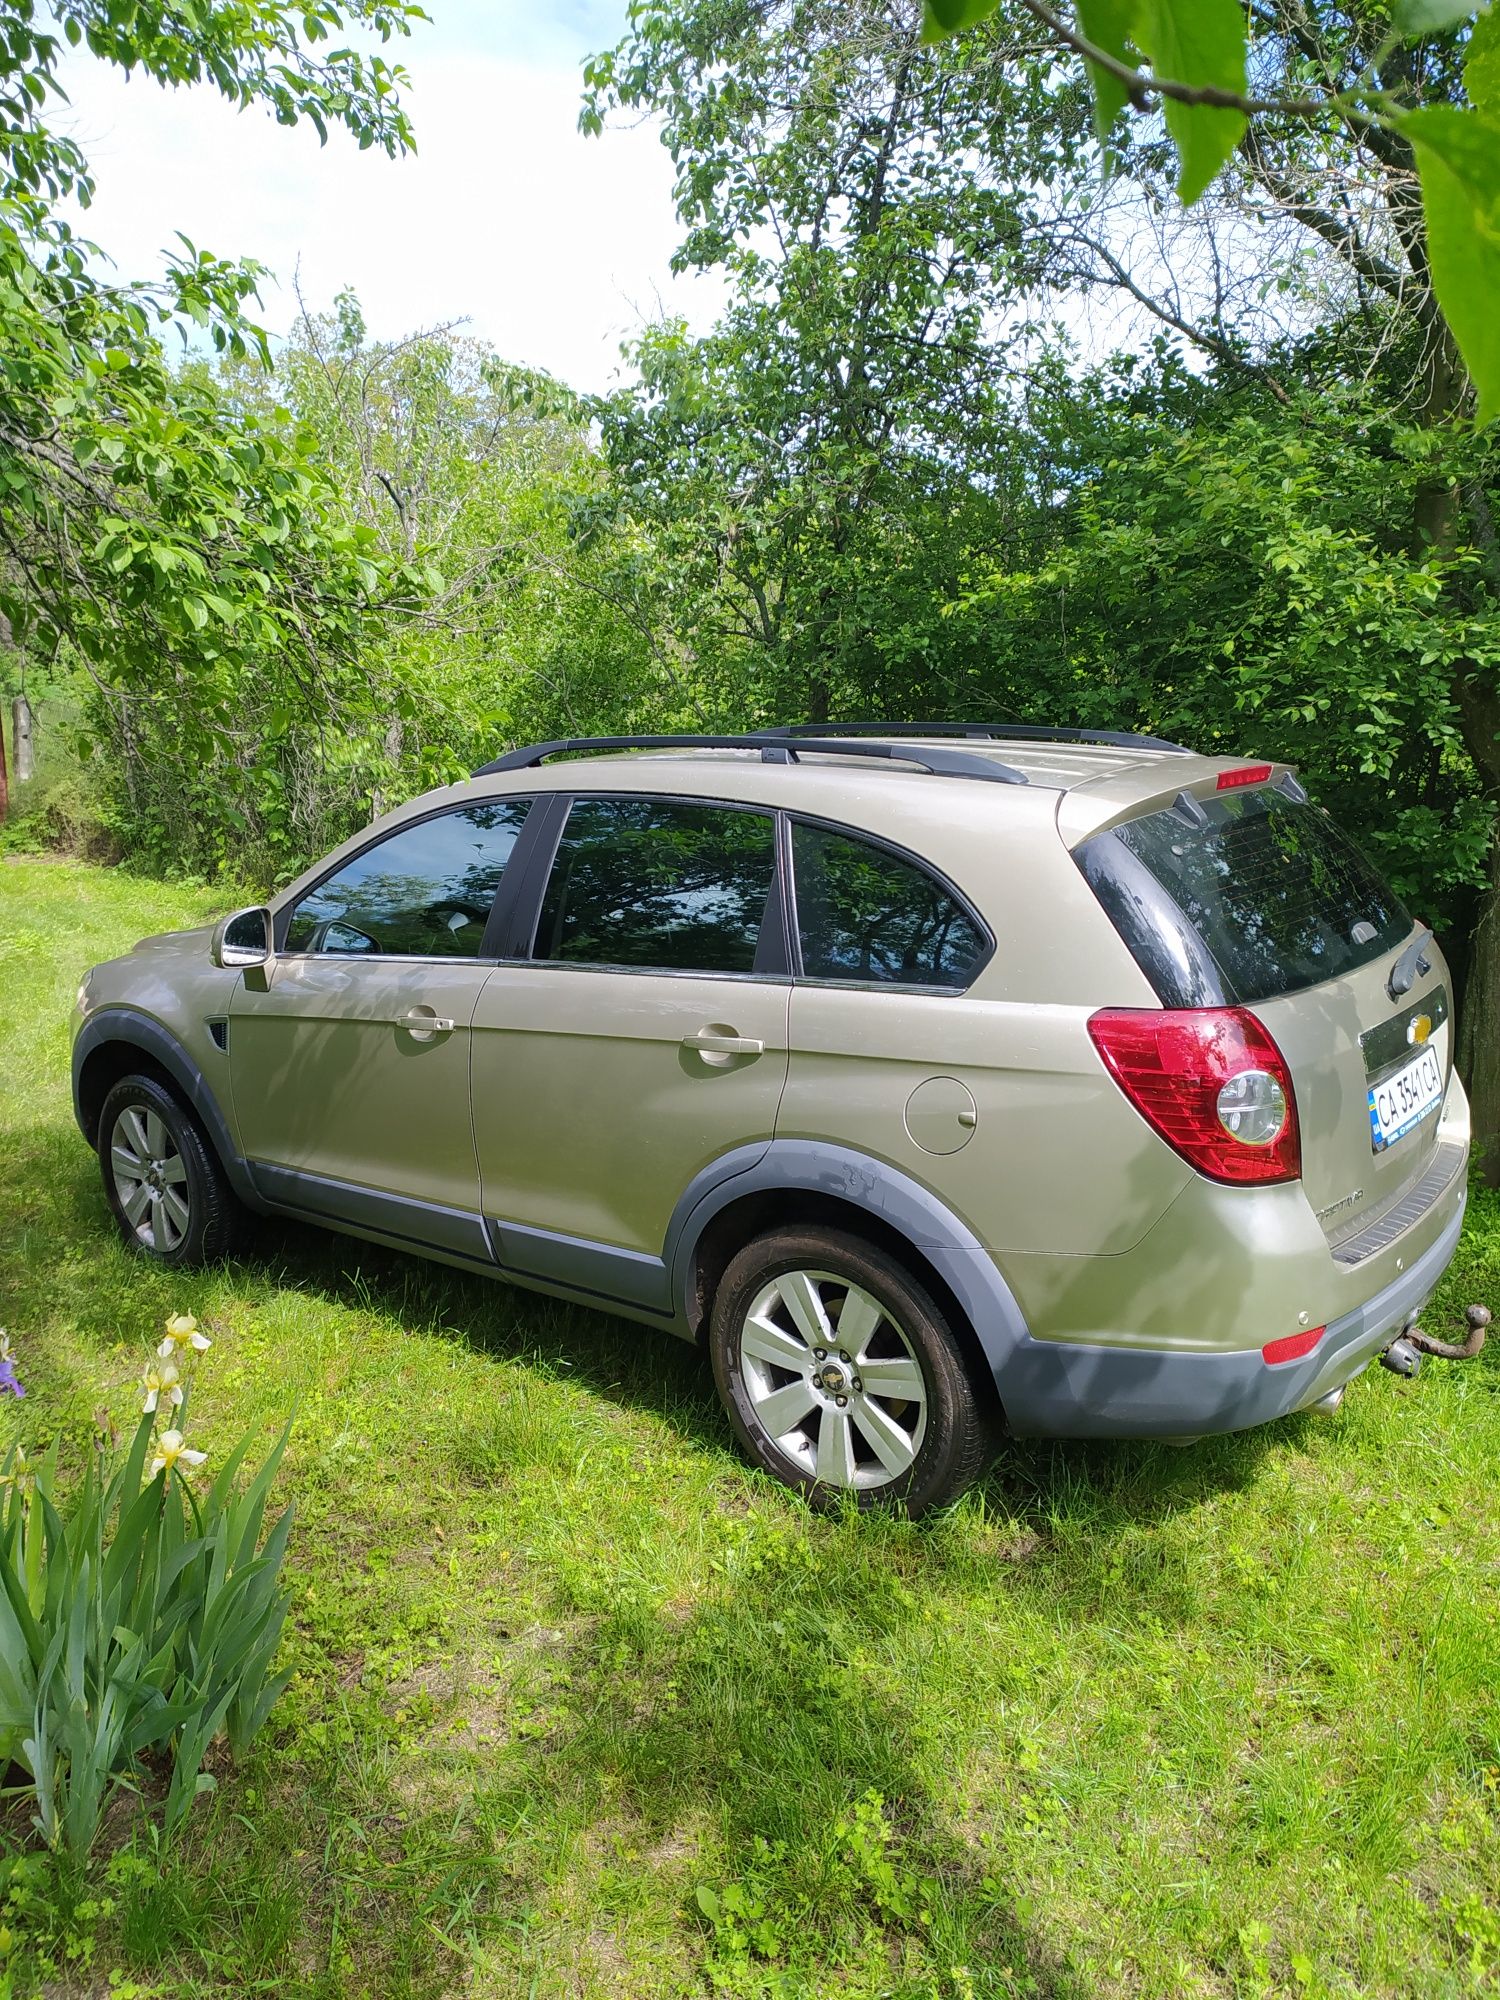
(642, 1038)
(349, 1060)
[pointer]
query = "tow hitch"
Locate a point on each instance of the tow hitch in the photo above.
(1404, 1355)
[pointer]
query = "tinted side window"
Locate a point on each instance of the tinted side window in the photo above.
(423, 893)
(865, 914)
(647, 882)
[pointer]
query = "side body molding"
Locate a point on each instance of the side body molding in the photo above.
(809, 1166)
(632, 1281)
(423, 1226)
(142, 1031)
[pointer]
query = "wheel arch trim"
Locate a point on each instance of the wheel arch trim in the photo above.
(811, 1166)
(118, 1024)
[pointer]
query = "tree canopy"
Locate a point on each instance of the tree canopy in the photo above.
(993, 424)
(170, 541)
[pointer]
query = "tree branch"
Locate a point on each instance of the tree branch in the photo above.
(1357, 255)
(1138, 81)
(1200, 336)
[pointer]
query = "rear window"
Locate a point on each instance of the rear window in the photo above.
(1265, 888)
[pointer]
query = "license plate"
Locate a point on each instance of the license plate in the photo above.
(1405, 1099)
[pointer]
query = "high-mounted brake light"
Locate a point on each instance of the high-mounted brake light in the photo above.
(1212, 1082)
(1292, 1346)
(1247, 774)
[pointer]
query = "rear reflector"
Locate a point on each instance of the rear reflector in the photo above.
(1292, 1346)
(1247, 774)
(1173, 1063)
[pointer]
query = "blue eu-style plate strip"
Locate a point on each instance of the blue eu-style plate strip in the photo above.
(1401, 1131)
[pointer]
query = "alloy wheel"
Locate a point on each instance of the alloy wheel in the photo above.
(833, 1380)
(150, 1177)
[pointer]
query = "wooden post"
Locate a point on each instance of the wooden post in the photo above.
(20, 722)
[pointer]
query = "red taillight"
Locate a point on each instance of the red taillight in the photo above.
(1247, 774)
(1292, 1346)
(1174, 1064)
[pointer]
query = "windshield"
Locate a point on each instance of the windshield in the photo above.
(1267, 887)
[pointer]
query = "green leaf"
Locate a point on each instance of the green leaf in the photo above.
(1413, 18)
(1482, 65)
(1458, 156)
(1107, 24)
(708, 1902)
(1200, 43)
(941, 18)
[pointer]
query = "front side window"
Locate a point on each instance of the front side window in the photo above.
(423, 893)
(865, 914)
(659, 884)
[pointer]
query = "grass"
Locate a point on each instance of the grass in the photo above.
(584, 1707)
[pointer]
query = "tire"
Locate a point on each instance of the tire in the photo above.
(179, 1210)
(781, 1388)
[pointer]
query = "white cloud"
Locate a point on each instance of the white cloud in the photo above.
(553, 246)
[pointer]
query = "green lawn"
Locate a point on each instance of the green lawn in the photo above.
(583, 1707)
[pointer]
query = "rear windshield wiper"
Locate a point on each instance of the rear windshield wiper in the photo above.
(1413, 962)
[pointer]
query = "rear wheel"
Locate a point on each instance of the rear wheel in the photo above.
(841, 1374)
(162, 1179)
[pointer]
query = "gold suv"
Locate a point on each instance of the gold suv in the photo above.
(928, 1075)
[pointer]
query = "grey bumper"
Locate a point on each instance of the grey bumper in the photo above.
(1054, 1388)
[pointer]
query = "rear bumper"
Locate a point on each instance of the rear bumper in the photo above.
(1058, 1388)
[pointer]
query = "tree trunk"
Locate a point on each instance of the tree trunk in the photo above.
(1438, 520)
(1479, 1028)
(20, 716)
(5, 643)
(1479, 1012)
(395, 742)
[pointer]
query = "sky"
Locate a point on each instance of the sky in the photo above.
(552, 247)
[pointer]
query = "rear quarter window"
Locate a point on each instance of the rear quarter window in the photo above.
(868, 916)
(1259, 889)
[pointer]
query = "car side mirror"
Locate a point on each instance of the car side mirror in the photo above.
(244, 938)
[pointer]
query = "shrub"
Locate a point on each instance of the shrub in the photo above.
(138, 1618)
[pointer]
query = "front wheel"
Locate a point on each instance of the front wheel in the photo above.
(162, 1178)
(841, 1375)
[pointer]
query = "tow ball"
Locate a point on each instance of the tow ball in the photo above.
(1404, 1355)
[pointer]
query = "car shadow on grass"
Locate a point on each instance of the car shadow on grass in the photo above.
(1032, 1482)
(1100, 1488)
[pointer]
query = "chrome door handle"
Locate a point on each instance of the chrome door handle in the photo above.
(707, 1042)
(424, 1024)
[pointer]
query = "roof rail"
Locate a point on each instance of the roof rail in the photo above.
(941, 763)
(991, 732)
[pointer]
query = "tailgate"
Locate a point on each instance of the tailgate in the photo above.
(1345, 1043)
(1244, 894)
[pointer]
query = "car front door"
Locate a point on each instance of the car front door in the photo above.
(644, 1037)
(350, 1070)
